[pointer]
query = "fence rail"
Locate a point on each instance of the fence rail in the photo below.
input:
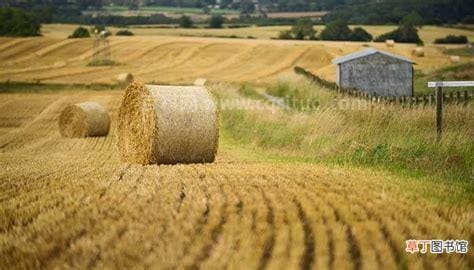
(459, 97)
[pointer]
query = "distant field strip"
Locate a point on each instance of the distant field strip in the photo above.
(182, 60)
(72, 203)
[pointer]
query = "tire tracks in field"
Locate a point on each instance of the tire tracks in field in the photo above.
(398, 257)
(288, 66)
(186, 58)
(229, 62)
(215, 233)
(307, 258)
(270, 241)
(352, 244)
(66, 172)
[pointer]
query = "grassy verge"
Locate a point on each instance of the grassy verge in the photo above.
(346, 131)
(414, 186)
(460, 72)
(12, 87)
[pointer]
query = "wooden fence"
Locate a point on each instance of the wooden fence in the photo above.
(459, 97)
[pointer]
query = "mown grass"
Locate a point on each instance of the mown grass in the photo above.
(350, 131)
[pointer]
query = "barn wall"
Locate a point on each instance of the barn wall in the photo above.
(377, 74)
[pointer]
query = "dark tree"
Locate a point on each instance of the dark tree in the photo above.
(216, 21)
(185, 22)
(359, 34)
(452, 39)
(336, 30)
(124, 33)
(80, 32)
(303, 29)
(18, 23)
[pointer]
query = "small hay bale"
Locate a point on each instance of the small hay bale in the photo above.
(418, 52)
(455, 59)
(87, 119)
(200, 82)
(390, 42)
(125, 78)
(167, 125)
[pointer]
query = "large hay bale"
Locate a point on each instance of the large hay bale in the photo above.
(455, 59)
(390, 42)
(167, 125)
(87, 119)
(125, 78)
(418, 52)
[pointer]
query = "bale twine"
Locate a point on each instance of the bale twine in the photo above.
(418, 52)
(167, 125)
(87, 119)
(200, 82)
(455, 59)
(125, 78)
(390, 42)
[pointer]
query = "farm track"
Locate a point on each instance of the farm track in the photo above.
(72, 203)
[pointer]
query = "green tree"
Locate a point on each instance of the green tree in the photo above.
(405, 33)
(452, 39)
(18, 23)
(80, 32)
(124, 33)
(303, 29)
(360, 34)
(185, 22)
(216, 21)
(336, 30)
(412, 19)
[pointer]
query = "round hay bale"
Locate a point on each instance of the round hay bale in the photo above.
(87, 119)
(455, 59)
(390, 42)
(418, 52)
(125, 78)
(167, 125)
(200, 82)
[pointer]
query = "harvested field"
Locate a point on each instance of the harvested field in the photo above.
(72, 203)
(180, 60)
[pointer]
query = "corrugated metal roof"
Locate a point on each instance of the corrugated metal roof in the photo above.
(367, 52)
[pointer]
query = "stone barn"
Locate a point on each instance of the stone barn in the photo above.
(375, 72)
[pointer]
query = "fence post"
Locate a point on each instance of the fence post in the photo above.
(439, 111)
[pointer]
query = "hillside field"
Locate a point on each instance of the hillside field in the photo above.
(167, 59)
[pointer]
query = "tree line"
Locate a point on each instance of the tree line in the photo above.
(353, 11)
